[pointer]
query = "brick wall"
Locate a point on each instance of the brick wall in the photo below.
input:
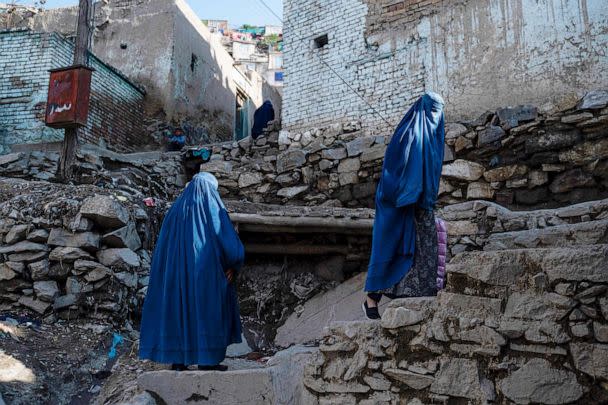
(116, 106)
(315, 96)
(478, 54)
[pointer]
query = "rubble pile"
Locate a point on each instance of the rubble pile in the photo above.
(147, 174)
(517, 156)
(516, 326)
(69, 252)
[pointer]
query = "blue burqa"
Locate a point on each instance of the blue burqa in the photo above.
(261, 118)
(191, 312)
(410, 179)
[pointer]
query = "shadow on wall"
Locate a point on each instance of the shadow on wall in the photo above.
(203, 76)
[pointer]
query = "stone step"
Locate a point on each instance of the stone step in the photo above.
(584, 233)
(279, 382)
(342, 303)
(507, 267)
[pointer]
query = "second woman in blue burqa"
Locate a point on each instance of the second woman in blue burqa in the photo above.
(191, 312)
(403, 262)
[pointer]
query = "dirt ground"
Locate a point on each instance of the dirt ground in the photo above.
(66, 362)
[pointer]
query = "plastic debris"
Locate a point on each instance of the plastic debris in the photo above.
(150, 202)
(116, 340)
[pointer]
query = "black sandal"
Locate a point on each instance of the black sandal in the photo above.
(218, 367)
(370, 313)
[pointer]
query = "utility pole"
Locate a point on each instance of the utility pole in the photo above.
(70, 139)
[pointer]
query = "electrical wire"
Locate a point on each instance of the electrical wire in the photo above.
(329, 67)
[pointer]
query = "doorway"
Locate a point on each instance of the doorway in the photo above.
(242, 126)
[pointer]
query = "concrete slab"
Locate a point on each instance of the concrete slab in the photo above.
(239, 349)
(279, 382)
(340, 304)
(250, 386)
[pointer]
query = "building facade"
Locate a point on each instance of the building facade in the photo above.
(368, 60)
(189, 78)
(116, 104)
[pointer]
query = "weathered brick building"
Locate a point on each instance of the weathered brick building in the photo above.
(188, 76)
(116, 106)
(479, 54)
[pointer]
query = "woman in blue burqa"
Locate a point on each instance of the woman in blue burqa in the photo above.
(261, 118)
(191, 312)
(404, 256)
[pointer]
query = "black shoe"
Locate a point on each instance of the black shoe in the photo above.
(370, 313)
(178, 367)
(218, 367)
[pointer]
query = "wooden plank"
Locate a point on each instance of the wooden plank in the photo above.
(264, 224)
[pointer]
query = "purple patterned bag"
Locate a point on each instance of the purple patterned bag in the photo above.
(442, 248)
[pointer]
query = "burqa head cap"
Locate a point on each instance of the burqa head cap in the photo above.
(207, 178)
(432, 101)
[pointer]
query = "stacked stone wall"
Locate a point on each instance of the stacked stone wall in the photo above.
(525, 327)
(482, 225)
(520, 157)
(153, 174)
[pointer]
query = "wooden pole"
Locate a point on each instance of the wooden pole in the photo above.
(81, 48)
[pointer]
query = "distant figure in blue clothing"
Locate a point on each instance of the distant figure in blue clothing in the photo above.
(191, 312)
(177, 140)
(261, 118)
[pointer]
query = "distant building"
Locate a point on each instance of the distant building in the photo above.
(256, 32)
(274, 75)
(273, 30)
(243, 50)
(214, 26)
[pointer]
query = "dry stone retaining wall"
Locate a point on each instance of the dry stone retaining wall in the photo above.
(533, 329)
(519, 157)
(483, 225)
(332, 165)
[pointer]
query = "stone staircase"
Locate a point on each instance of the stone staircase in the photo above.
(278, 381)
(523, 319)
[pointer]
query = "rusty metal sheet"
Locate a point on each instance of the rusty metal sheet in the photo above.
(68, 97)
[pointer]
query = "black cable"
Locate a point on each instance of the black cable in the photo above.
(329, 67)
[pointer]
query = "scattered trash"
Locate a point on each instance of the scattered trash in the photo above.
(203, 153)
(150, 202)
(116, 340)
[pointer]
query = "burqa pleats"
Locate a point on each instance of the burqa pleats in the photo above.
(191, 312)
(410, 180)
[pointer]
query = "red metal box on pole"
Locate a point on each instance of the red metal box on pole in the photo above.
(67, 103)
